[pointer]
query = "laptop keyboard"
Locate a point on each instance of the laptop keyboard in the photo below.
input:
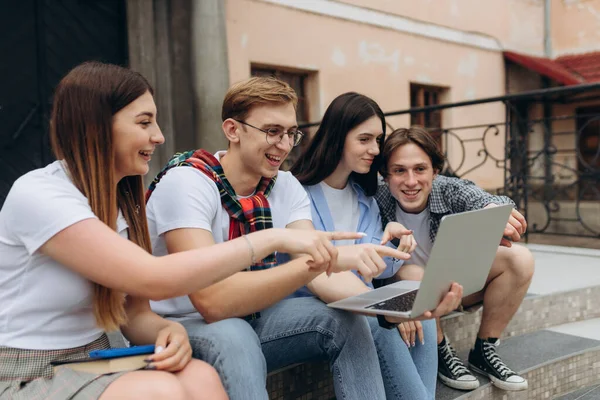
(402, 302)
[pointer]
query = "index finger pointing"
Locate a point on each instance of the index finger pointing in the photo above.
(385, 238)
(385, 251)
(346, 235)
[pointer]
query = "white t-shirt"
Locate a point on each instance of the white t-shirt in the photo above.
(343, 207)
(419, 224)
(44, 305)
(186, 198)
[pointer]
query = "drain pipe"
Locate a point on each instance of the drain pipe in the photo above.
(547, 107)
(547, 33)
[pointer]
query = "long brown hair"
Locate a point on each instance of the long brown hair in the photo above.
(324, 153)
(85, 102)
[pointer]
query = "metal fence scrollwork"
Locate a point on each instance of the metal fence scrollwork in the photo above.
(547, 160)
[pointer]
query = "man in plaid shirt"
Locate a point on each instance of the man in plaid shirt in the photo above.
(416, 196)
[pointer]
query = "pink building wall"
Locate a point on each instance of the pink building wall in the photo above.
(517, 24)
(575, 26)
(455, 44)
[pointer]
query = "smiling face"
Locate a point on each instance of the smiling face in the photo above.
(258, 156)
(410, 177)
(135, 135)
(361, 147)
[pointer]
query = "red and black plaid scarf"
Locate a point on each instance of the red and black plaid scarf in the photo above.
(246, 215)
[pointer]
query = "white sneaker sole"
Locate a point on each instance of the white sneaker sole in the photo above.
(460, 385)
(500, 384)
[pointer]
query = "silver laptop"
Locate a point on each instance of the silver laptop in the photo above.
(463, 252)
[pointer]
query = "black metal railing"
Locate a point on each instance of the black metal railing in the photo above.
(552, 174)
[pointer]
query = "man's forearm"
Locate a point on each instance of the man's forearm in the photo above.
(337, 286)
(247, 292)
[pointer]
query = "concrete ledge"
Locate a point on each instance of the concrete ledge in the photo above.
(575, 251)
(558, 376)
(535, 313)
(550, 379)
(552, 362)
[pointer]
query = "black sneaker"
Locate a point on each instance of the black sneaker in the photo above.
(484, 359)
(451, 370)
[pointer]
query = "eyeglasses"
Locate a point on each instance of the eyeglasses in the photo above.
(275, 135)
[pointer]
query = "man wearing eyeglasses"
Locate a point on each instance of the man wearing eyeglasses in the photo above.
(244, 325)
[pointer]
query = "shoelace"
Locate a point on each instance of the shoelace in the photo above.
(454, 363)
(489, 349)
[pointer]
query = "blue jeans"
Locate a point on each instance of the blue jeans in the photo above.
(233, 348)
(291, 331)
(304, 329)
(407, 374)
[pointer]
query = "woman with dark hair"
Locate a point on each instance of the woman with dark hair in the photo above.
(339, 172)
(76, 256)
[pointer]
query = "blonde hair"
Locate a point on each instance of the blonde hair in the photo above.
(85, 101)
(244, 95)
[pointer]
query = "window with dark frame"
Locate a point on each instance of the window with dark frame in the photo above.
(423, 96)
(297, 80)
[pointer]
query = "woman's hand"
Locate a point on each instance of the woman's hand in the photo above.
(408, 244)
(366, 259)
(410, 331)
(173, 350)
(316, 244)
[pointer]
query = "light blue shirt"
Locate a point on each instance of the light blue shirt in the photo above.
(369, 222)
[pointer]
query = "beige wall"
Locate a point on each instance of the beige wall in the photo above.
(575, 26)
(381, 63)
(516, 24)
(344, 54)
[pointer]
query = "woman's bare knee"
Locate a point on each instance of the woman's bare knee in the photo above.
(149, 385)
(201, 381)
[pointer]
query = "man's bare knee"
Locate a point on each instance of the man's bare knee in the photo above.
(516, 261)
(521, 263)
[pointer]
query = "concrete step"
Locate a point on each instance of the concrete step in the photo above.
(554, 364)
(586, 393)
(535, 313)
(520, 349)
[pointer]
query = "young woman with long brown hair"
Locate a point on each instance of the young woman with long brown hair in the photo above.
(339, 173)
(76, 256)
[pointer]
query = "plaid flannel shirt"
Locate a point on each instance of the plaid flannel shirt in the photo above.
(448, 196)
